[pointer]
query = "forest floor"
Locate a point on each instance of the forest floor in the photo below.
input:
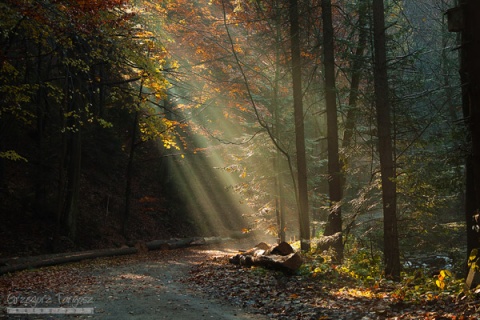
(199, 283)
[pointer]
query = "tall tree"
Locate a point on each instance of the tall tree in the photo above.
(279, 180)
(385, 148)
(303, 207)
(470, 78)
(356, 72)
(334, 223)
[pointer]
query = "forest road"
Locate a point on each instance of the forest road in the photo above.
(155, 286)
(150, 285)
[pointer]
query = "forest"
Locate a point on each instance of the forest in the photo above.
(350, 129)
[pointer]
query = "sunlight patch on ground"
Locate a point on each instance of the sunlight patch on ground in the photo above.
(359, 293)
(132, 276)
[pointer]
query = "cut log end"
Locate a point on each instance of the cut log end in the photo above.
(280, 257)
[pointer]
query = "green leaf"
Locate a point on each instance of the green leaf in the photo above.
(12, 155)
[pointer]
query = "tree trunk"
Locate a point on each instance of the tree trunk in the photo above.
(129, 173)
(470, 78)
(3, 182)
(129, 176)
(41, 174)
(387, 164)
(102, 92)
(73, 184)
(334, 222)
(470, 209)
(303, 209)
(73, 158)
(279, 197)
(62, 159)
(357, 65)
(279, 193)
(449, 89)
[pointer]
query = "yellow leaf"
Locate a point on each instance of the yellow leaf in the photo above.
(244, 173)
(440, 284)
(444, 274)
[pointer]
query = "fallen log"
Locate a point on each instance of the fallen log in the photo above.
(158, 245)
(290, 262)
(50, 260)
(18, 264)
(260, 249)
(175, 243)
(280, 257)
(283, 249)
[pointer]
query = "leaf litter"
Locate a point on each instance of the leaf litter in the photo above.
(201, 281)
(280, 296)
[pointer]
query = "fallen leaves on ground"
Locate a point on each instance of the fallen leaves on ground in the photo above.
(261, 291)
(281, 296)
(88, 276)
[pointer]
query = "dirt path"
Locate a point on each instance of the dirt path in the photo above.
(146, 286)
(154, 290)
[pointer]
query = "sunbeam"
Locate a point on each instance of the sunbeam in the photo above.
(225, 175)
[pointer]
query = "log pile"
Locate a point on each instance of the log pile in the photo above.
(279, 257)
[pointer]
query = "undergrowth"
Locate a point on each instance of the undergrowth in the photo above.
(363, 268)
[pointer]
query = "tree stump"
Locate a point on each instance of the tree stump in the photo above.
(473, 279)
